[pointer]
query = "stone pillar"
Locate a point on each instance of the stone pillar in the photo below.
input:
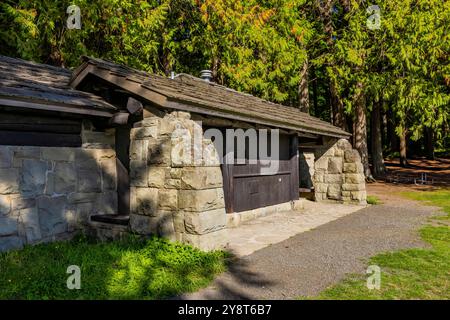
(176, 182)
(339, 173)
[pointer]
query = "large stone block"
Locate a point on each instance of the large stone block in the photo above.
(201, 200)
(182, 151)
(107, 203)
(349, 167)
(97, 138)
(10, 243)
(353, 187)
(138, 150)
(354, 178)
(321, 163)
(159, 152)
(30, 220)
(58, 154)
(109, 174)
(5, 205)
(165, 225)
(201, 178)
(89, 181)
(344, 144)
(321, 187)
(6, 158)
(333, 178)
(318, 177)
(211, 157)
(9, 181)
(142, 133)
(64, 178)
(27, 152)
(143, 225)
(157, 176)
(352, 156)
(205, 222)
(168, 199)
(97, 155)
(144, 201)
(334, 192)
(18, 202)
(209, 241)
(33, 177)
(359, 196)
(335, 165)
(8, 226)
(78, 197)
(138, 173)
(52, 215)
(168, 125)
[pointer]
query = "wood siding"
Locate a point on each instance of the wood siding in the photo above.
(246, 188)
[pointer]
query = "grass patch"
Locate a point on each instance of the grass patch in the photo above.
(373, 200)
(408, 274)
(127, 269)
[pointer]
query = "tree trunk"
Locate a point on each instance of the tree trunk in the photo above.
(403, 159)
(314, 88)
(392, 136)
(337, 107)
(303, 88)
(361, 134)
(378, 166)
(429, 146)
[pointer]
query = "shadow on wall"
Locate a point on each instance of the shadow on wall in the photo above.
(48, 193)
(306, 180)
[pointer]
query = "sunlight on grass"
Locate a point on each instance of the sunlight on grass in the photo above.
(408, 274)
(130, 269)
(373, 200)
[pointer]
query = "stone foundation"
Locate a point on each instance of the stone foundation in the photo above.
(237, 218)
(338, 173)
(172, 194)
(49, 193)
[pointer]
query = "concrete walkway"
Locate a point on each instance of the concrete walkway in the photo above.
(309, 262)
(265, 231)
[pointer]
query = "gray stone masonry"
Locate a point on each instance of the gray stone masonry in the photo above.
(338, 173)
(49, 193)
(176, 182)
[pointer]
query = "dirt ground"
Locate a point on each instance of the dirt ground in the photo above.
(437, 171)
(311, 261)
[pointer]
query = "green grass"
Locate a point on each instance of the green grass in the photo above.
(409, 274)
(128, 269)
(373, 200)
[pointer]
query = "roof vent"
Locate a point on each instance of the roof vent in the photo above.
(206, 75)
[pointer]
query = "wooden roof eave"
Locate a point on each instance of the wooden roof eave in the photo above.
(152, 96)
(43, 105)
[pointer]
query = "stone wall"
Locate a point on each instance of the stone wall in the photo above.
(176, 182)
(48, 193)
(338, 173)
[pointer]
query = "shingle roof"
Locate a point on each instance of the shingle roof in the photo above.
(207, 97)
(25, 84)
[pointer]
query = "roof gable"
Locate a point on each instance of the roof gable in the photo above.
(189, 93)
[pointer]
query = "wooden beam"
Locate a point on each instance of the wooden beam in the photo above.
(134, 106)
(52, 107)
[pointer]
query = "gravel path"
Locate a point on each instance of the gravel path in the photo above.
(309, 262)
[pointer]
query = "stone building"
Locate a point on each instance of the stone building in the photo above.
(109, 150)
